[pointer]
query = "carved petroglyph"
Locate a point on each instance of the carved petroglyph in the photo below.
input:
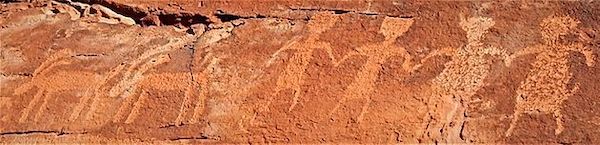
(364, 83)
(460, 80)
(135, 79)
(169, 82)
(130, 108)
(218, 33)
(97, 93)
(132, 76)
(547, 84)
(50, 83)
(293, 75)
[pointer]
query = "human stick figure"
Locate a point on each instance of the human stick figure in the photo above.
(364, 83)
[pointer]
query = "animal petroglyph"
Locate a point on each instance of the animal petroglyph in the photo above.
(162, 82)
(364, 83)
(50, 83)
(136, 78)
(453, 88)
(293, 75)
(97, 93)
(131, 76)
(546, 86)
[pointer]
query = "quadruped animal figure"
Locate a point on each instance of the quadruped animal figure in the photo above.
(127, 87)
(136, 82)
(48, 84)
(547, 84)
(293, 76)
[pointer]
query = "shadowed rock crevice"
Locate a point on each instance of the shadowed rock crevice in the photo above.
(148, 17)
(40, 132)
(349, 11)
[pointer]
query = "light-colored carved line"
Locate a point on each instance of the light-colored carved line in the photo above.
(515, 117)
(364, 109)
(290, 46)
(97, 87)
(295, 70)
(138, 76)
(79, 107)
(49, 63)
(187, 100)
(364, 82)
(294, 75)
(42, 108)
(362, 87)
(98, 92)
(29, 108)
(39, 72)
(54, 60)
(135, 111)
(199, 109)
(560, 127)
(122, 112)
(129, 79)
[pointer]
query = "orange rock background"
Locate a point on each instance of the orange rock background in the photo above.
(182, 71)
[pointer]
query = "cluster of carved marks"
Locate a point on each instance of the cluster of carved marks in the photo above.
(97, 92)
(90, 83)
(135, 80)
(546, 86)
(293, 75)
(166, 82)
(364, 83)
(49, 83)
(132, 75)
(129, 96)
(459, 81)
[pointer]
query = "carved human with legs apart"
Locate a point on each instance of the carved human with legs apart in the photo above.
(453, 88)
(364, 83)
(547, 84)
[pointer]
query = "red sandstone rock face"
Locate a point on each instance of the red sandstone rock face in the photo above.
(299, 72)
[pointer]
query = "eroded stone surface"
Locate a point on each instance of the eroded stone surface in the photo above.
(299, 72)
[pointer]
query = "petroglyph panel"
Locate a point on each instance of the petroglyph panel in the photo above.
(373, 72)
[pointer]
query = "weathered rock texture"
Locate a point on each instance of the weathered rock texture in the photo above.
(119, 71)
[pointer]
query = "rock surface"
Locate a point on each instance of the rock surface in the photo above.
(123, 71)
